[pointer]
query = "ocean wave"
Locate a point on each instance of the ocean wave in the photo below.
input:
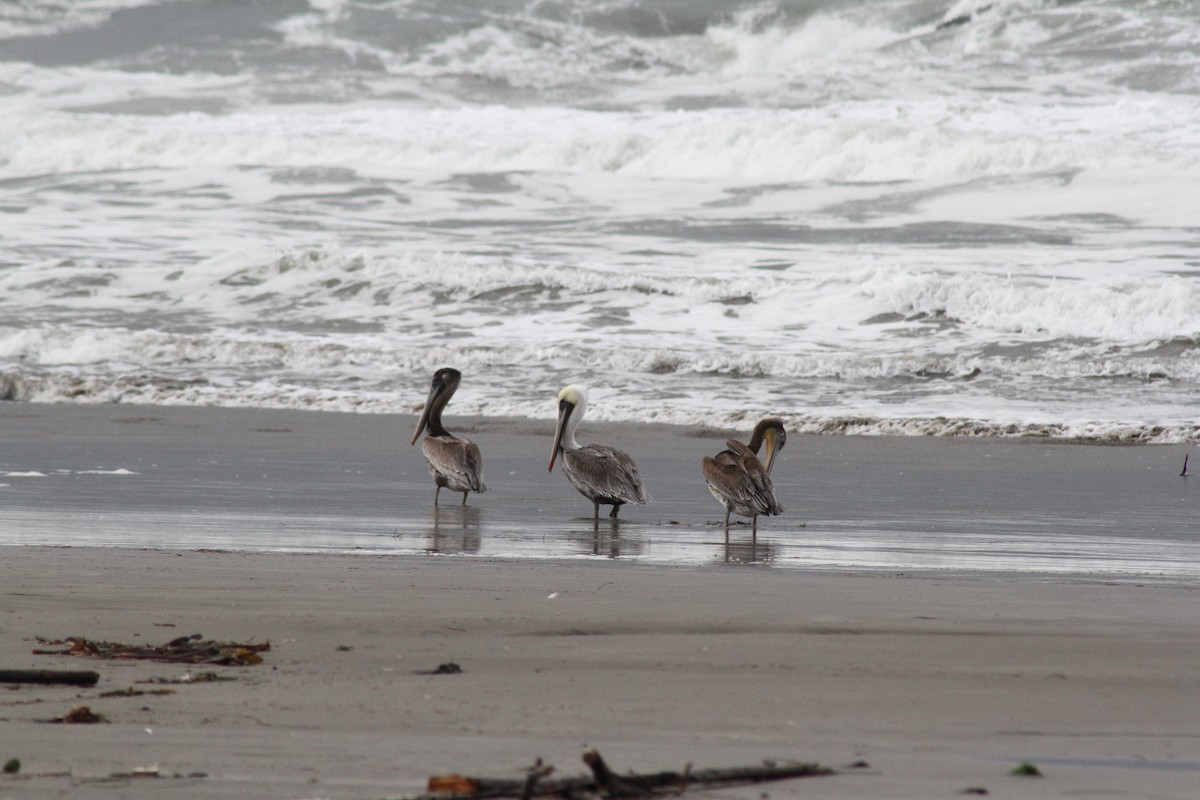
(937, 217)
(156, 390)
(797, 315)
(1090, 432)
(870, 143)
(764, 40)
(45, 17)
(1114, 311)
(538, 50)
(285, 354)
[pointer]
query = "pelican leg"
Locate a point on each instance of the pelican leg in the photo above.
(464, 498)
(596, 510)
(436, 492)
(616, 508)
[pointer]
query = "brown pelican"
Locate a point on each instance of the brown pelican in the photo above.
(453, 461)
(601, 474)
(741, 482)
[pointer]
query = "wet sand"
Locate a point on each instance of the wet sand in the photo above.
(942, 679)
(308, 481)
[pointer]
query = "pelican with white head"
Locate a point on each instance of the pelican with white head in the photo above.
(602, 474)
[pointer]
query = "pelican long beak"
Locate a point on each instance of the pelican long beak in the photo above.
(773, 442)
(434, 390)
(421, 423)
(564, 413)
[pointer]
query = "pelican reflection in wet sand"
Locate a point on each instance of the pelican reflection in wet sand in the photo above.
(741, 482)
(453, 461)
(602, 474)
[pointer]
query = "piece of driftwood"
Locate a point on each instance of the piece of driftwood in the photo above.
(606, 783)
(132, 692)
(633, 785)
(192, 649)
(536, 773)
(50, 677)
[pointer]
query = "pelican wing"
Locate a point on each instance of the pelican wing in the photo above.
(456, 460)
(738, 478)
(601, 472)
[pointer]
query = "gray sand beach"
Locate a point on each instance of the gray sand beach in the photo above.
(940, 610)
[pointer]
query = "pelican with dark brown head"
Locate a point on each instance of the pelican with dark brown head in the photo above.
(740, 481)
(600, 473)
(454, 462)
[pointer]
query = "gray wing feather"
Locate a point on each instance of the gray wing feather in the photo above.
(599, 472)
(455, 460)
(738, 478)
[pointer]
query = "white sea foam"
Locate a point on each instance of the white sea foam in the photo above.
(278, 288)
(864, 144)
(43, 17)
(1060, 332)
(758, 48)
(860, 217)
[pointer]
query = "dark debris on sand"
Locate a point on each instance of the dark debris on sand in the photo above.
(192, 649)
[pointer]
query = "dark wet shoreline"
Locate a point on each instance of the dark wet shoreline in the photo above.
(255, 479)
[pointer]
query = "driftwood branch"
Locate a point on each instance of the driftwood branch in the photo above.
(449, 787)
(608, 783)
(633, 784)
(50, 677)
(604, 782)
(536, 773)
